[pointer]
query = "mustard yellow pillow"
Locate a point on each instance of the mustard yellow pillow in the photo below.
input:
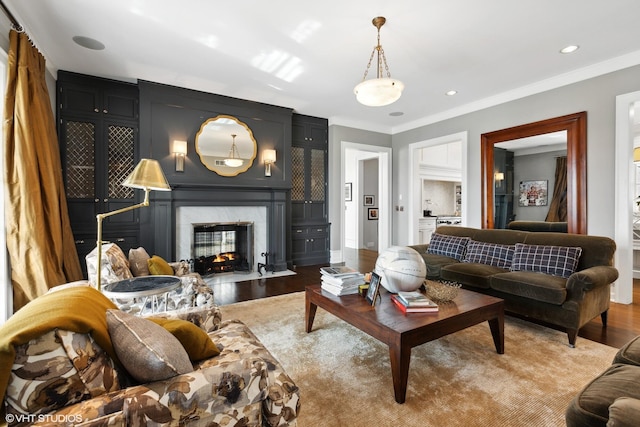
(194, 340)
(158, 266)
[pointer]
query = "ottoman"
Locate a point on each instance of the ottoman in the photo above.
(612, 398)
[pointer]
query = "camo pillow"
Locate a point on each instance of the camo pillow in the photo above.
(58, 369)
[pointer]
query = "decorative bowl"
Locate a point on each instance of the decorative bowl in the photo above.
(441, 291)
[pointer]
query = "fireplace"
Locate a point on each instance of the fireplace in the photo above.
(223, 247)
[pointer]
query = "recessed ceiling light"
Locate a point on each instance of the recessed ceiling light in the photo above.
(396, 113)
(569, 49)
(451, 92)
(88, 42)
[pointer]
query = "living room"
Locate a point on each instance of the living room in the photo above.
(605, 89)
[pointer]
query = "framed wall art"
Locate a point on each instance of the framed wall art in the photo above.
(369, 200)
(533, 193)
(373, 213)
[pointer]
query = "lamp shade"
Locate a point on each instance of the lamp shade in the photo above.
(147, 175)
(636, 154)
(180, 147)
(269, 156)
(378, 92)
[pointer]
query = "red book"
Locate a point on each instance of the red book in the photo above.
(406, 309)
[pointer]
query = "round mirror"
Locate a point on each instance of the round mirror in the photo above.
(226, 145)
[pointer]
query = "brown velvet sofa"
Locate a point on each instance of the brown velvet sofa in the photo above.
(569, 302)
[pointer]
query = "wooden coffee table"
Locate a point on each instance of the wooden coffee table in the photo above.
(401, 332)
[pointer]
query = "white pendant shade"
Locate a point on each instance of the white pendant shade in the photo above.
(233, 162)
(378, 92)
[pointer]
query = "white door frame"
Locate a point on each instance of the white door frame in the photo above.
(414, 204)
(384, 191)
(622, 291)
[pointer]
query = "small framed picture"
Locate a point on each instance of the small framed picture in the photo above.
(373, 213)
(374, 289)
(347, 192)
(369, 200)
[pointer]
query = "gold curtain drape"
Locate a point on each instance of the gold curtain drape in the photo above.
(558, 205)
(41, 248)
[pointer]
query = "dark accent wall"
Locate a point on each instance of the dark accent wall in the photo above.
(168, 113)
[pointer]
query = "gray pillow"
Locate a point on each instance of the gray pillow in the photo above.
(146, 350)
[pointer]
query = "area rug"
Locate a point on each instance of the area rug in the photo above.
(459, 380)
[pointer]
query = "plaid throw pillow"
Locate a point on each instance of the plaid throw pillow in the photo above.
(555, 260)
(493, 254)
(451, 246)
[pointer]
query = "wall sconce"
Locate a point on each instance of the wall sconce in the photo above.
(498, 177)
(180, 151)
(269, 157)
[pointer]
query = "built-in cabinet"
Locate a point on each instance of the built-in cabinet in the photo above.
(310, 228)
(503, 187)
(98, 134)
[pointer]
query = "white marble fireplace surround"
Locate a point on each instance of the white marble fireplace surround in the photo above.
(186, 216)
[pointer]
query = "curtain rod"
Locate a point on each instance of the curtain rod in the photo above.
(9, 15)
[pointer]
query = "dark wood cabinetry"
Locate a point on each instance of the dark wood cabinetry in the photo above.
(503, 187)
(309, 164)
(98, 133)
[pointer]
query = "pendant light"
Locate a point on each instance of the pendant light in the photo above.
(234, 159)
(381, 90)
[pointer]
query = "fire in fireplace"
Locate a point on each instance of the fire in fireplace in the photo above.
(222, 247)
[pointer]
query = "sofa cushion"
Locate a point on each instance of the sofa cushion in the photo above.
(473, 275)
(624, 412)
(451, 246)
(435, 263)
(489, 253)
(57, 369)
(146, 350)
(591, 406)
(535, 286)
(629, 353)
(138, 261)
(158, 266)
(555, 260)
(195, 340)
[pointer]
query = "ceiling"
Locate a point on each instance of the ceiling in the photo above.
(309, 55)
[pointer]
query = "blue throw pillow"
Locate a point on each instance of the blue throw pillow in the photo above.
(559, 261)
(494, 254)
(451, 246)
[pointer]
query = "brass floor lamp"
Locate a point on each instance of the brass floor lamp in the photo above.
(147, 176)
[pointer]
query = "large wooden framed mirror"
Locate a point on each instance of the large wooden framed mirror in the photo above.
(575, 126)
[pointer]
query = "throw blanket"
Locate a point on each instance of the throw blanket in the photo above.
(78, 309)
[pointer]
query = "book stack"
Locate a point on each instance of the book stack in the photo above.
(341, 280)
(414, 302)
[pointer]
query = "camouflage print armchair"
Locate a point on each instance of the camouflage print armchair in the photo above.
(66, 378)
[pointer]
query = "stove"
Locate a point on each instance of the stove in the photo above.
(448, 220)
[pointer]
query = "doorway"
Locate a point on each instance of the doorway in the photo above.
(627, 113)
(415, 202)
(360, 215)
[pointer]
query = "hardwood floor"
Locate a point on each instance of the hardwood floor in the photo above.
(623, 321)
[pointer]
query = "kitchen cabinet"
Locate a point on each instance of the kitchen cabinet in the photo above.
(426, 227)
(98, 134)
(309, 166)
